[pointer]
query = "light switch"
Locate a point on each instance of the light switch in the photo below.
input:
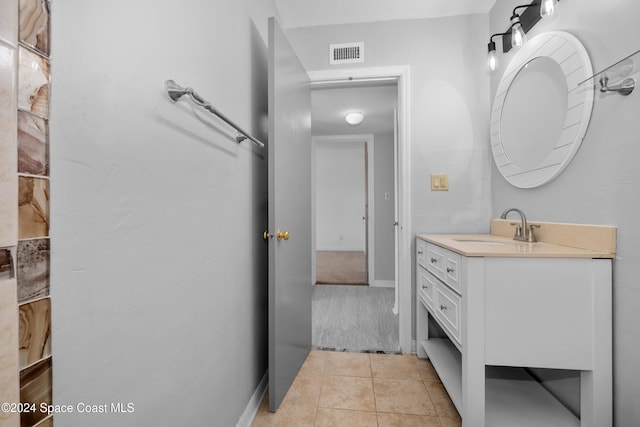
(440, 182)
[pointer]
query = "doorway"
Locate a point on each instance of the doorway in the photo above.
(343, 182)
(389, 196)
(404, 237)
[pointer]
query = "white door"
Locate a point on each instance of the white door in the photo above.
(289, 163)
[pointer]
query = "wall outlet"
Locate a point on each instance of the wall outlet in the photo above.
(440, 182)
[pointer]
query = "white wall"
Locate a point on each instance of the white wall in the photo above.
(449, 107)
(602, 183)
(158, 264)
(340, 196)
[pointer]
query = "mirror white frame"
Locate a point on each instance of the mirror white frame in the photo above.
(573, 60)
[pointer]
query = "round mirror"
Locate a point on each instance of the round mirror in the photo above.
(540, 114)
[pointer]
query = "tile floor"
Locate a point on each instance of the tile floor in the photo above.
(361, 389)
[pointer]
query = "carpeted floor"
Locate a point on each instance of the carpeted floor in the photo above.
(354, 318)
(341, 268)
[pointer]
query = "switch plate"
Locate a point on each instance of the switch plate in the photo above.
(440, 182)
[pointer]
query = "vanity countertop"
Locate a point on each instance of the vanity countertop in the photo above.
(491, 245)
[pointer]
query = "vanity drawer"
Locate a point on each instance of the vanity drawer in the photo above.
(445, 265)
(448, 306)
(435, 260)
(426, 287)
(453, 270)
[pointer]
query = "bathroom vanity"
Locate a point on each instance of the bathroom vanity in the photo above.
(489, 306)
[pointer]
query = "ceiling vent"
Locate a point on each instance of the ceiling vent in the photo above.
(346, 53)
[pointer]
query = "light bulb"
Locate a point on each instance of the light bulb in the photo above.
(547, 8)
(492, 57)
(518, 37)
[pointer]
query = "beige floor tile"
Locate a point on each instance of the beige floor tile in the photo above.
(400, 396)
(451, 422)
(315, 363)
(305, 388)
(348, 364)
(426, 370)
(402, 420)
(441, 400)
(263, 417)
(295, 413)
(394, 366)
(327, 417)
(347, 393)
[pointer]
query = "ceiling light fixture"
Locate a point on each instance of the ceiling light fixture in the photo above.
(354, 118)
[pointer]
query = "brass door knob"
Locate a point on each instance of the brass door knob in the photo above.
(282, 235)
(266, 235)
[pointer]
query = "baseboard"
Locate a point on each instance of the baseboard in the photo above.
(384, 283)
(254, 403)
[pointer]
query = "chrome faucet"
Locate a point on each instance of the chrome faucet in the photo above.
(523, 232)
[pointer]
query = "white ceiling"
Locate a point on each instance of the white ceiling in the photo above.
(330, 105)
(306, 13)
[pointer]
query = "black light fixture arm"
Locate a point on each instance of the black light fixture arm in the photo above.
(522, 6)
(492, 44)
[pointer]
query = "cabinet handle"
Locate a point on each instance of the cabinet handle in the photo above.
(449, 270)
(425, 287)
(420, 252)
(433, 260)
(443, 307)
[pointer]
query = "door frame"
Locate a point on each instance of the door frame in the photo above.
(367, 139)
(401, 74)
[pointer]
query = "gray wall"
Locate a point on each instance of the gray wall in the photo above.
(602, 184)
(449, 108)
(158, 267)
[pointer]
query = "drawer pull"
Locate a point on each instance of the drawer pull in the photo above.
(433, 260)
(425, 287)
(450, 270)
(443, 307)
(420, 252)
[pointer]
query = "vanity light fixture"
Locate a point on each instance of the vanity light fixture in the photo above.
(354, 118)
(492, 57)
(520, 23)
(547, 8)
(518, 36)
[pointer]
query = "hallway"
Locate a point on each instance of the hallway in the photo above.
(360, 389)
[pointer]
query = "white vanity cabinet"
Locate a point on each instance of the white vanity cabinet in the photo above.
(483, 318)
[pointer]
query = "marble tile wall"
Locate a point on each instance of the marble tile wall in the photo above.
(34, 24)
(6, 265)
(33, 207)
(25, 306)
(32, 269)
(33, 144)
(33, 80)
(8, 147)
(9, 379)
(34, 332)
(35, 388)
(9, 391)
